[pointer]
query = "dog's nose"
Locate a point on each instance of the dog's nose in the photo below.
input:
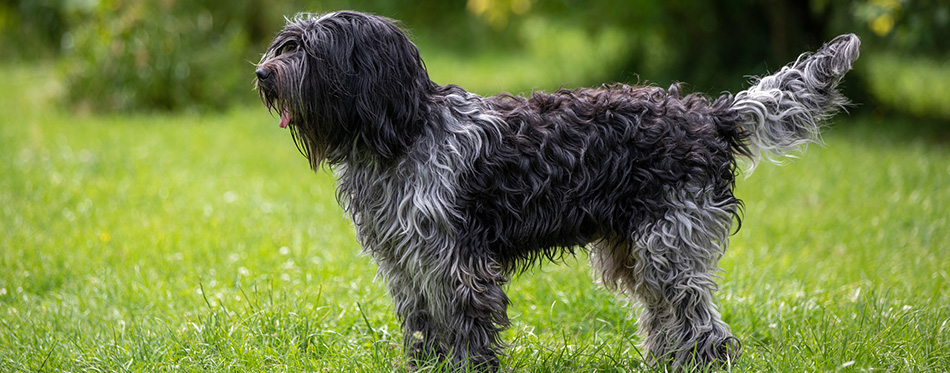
(262, 74)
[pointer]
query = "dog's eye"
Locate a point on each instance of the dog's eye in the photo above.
(289, 47)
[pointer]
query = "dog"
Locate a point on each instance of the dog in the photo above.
(452, 193)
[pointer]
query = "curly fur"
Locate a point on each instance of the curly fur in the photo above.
(452, 193)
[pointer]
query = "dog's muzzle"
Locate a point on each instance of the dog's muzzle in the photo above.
(266, 87)
(262, 74)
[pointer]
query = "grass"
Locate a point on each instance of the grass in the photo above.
(203, 243)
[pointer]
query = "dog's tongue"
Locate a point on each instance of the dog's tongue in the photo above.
(284, 119)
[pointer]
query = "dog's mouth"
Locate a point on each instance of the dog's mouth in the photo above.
(270, 99)
(273, 105)
(284, 118)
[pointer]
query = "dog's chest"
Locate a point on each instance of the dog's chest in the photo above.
(408, 203)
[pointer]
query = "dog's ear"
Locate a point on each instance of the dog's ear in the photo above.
(375, 84)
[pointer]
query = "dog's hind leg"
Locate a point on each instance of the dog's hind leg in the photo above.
(675, 279)
(671, 270)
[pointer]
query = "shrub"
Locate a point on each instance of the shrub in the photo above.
(163, 55)
(31, 30)
(918, 86)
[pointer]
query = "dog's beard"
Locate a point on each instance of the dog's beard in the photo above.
(285, 115)
(283, 94)
(278, 94)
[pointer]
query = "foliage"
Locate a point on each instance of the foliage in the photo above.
(711, 45)
(175, 54)
(171, 54)
(915, 86)
(162, 54)
(32, 29)
(916, 27)
(554, 55)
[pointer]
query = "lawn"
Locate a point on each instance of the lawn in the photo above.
(203, 242)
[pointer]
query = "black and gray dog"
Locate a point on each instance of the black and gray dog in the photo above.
(452, 193)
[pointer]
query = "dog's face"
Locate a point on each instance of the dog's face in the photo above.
(345, 82)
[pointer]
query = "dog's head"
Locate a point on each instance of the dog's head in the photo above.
(345, 82)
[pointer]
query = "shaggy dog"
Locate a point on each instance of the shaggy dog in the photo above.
(452, 193)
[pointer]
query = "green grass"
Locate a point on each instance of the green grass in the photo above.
(203, 242)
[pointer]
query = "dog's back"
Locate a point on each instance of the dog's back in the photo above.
(592, 163)
(575, 166)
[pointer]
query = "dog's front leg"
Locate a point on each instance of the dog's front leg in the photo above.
(451, 311)
(421, 336)
(476, 315)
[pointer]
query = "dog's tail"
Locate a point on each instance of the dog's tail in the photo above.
(784, 111)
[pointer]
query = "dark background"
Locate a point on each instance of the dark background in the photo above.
(171, 55)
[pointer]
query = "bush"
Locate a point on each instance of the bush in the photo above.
(162, 55)
(31, 30)
(918, 86)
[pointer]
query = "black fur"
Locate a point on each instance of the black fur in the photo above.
(594, 162)
(383, 105)
(452, 193)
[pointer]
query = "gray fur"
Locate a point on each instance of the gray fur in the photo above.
(412, 205)
(453, 193)
(672, 273)
(785, 111)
